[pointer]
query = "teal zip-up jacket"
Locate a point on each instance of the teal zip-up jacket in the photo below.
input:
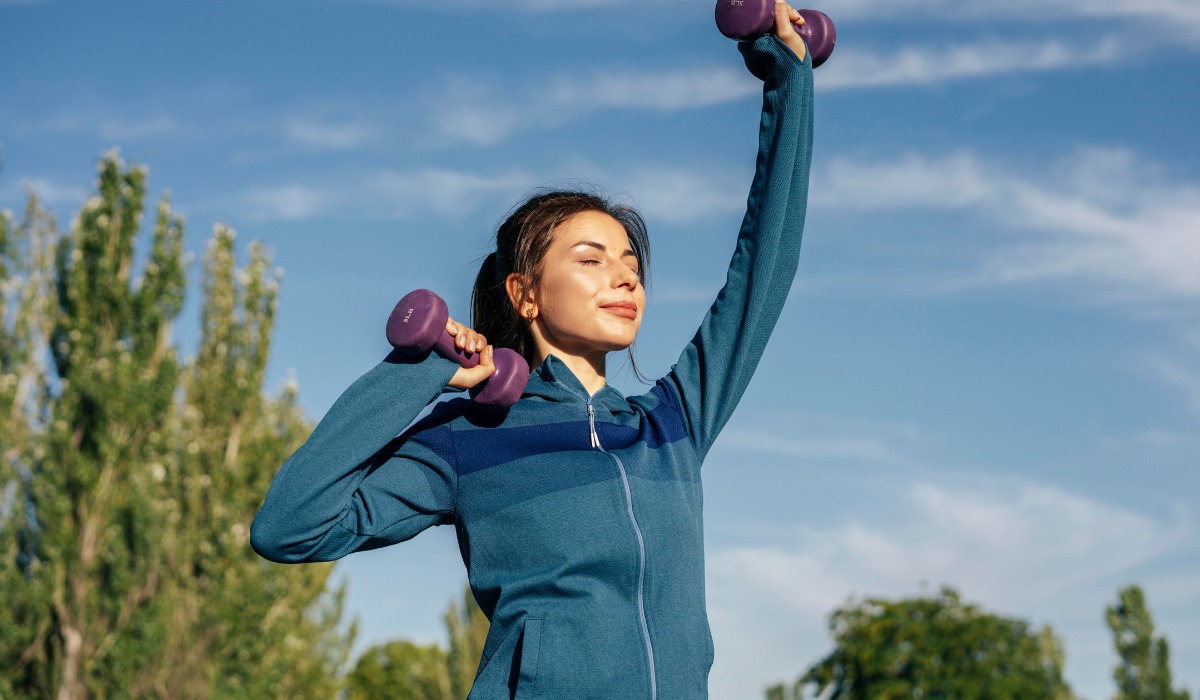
(579, 518)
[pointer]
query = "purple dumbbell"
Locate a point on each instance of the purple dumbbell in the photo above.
(418, 325)
(746, 20)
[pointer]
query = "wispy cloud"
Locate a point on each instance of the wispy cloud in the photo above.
(446, 192)
(117, 128)
(669, 195)
(1168, 12)
(1176, 14)
(49, 192)
(290, 202)
(326, 136)
(920, 65)
(1100, 214)
(1030, 550)
(510, 5)
(471, 111)
(1178, 376)
(386, 194)
(823, 439)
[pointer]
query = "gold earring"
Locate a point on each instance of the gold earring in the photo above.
(529, 315)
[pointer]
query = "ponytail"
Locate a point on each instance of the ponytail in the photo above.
(493, 315)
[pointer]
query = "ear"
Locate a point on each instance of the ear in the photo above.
(520, 294)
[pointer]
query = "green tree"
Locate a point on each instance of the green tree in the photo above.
(402, 669)
(26, 316)
(267, 630)
(129, 478)
(467, 629)
(932, 647)
(1144, 670)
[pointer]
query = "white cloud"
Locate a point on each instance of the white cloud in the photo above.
(54, 194)
(664, 90)
(289, 202)
(1100, 214)
(511, 5)
(446, 192)
(117, 129)
(1032, 551)
(679, 195)
(326, 136)
(475, 112)
(1178, 377)
(387, 194)
(823, 440)
(912, 65)
(1176, 14)
(472, 111)
(670, 195)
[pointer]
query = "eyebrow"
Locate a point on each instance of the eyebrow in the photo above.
(603, 248)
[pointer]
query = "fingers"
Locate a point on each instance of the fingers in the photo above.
(466, 378)
(785, 17)
(785, 20)
(464, 338)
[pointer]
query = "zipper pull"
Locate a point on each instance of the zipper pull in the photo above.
(592, 425)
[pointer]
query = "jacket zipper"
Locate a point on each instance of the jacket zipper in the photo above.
(641, 547)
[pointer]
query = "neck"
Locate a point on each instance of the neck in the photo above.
(588, 369)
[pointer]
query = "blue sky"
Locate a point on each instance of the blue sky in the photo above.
(988, 371)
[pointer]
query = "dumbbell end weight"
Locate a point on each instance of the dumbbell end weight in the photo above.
(417, 325)
(505, 386)
(746, 20)
(819, 35)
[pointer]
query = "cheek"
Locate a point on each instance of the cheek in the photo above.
(566, 297)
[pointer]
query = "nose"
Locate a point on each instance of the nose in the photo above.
(625, 277)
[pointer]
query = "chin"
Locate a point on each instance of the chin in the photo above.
(619, 344)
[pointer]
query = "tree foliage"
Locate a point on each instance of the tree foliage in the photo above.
(932, 647)
(402, 669)
(1143, 671)
(467, 629)
(130, 477)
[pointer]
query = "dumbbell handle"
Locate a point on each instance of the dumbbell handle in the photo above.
(417, 325)
(746, 20)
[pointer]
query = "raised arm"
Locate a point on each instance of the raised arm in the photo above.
(356, 485)
(714, 369)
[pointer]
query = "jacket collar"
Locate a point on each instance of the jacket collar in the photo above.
(553, 380)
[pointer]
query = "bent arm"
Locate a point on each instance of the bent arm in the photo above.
(715, 368)
(354, 484)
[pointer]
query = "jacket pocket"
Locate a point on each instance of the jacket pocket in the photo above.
(522, 681)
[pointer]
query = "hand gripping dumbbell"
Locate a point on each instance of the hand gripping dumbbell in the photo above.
(746, 20)
(418, 324)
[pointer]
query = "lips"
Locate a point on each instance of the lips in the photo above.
(625, 309)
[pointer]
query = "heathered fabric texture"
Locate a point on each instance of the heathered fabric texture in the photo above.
(588, 560)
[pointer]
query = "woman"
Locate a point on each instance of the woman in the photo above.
(578, 510)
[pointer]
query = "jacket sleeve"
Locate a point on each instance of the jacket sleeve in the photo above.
(714, 369)
(354, 484)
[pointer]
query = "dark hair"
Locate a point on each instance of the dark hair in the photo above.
(521, 244)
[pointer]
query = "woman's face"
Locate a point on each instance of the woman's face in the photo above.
(589, 298)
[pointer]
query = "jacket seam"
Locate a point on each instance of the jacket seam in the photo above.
(693, 433)
(378, 533)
